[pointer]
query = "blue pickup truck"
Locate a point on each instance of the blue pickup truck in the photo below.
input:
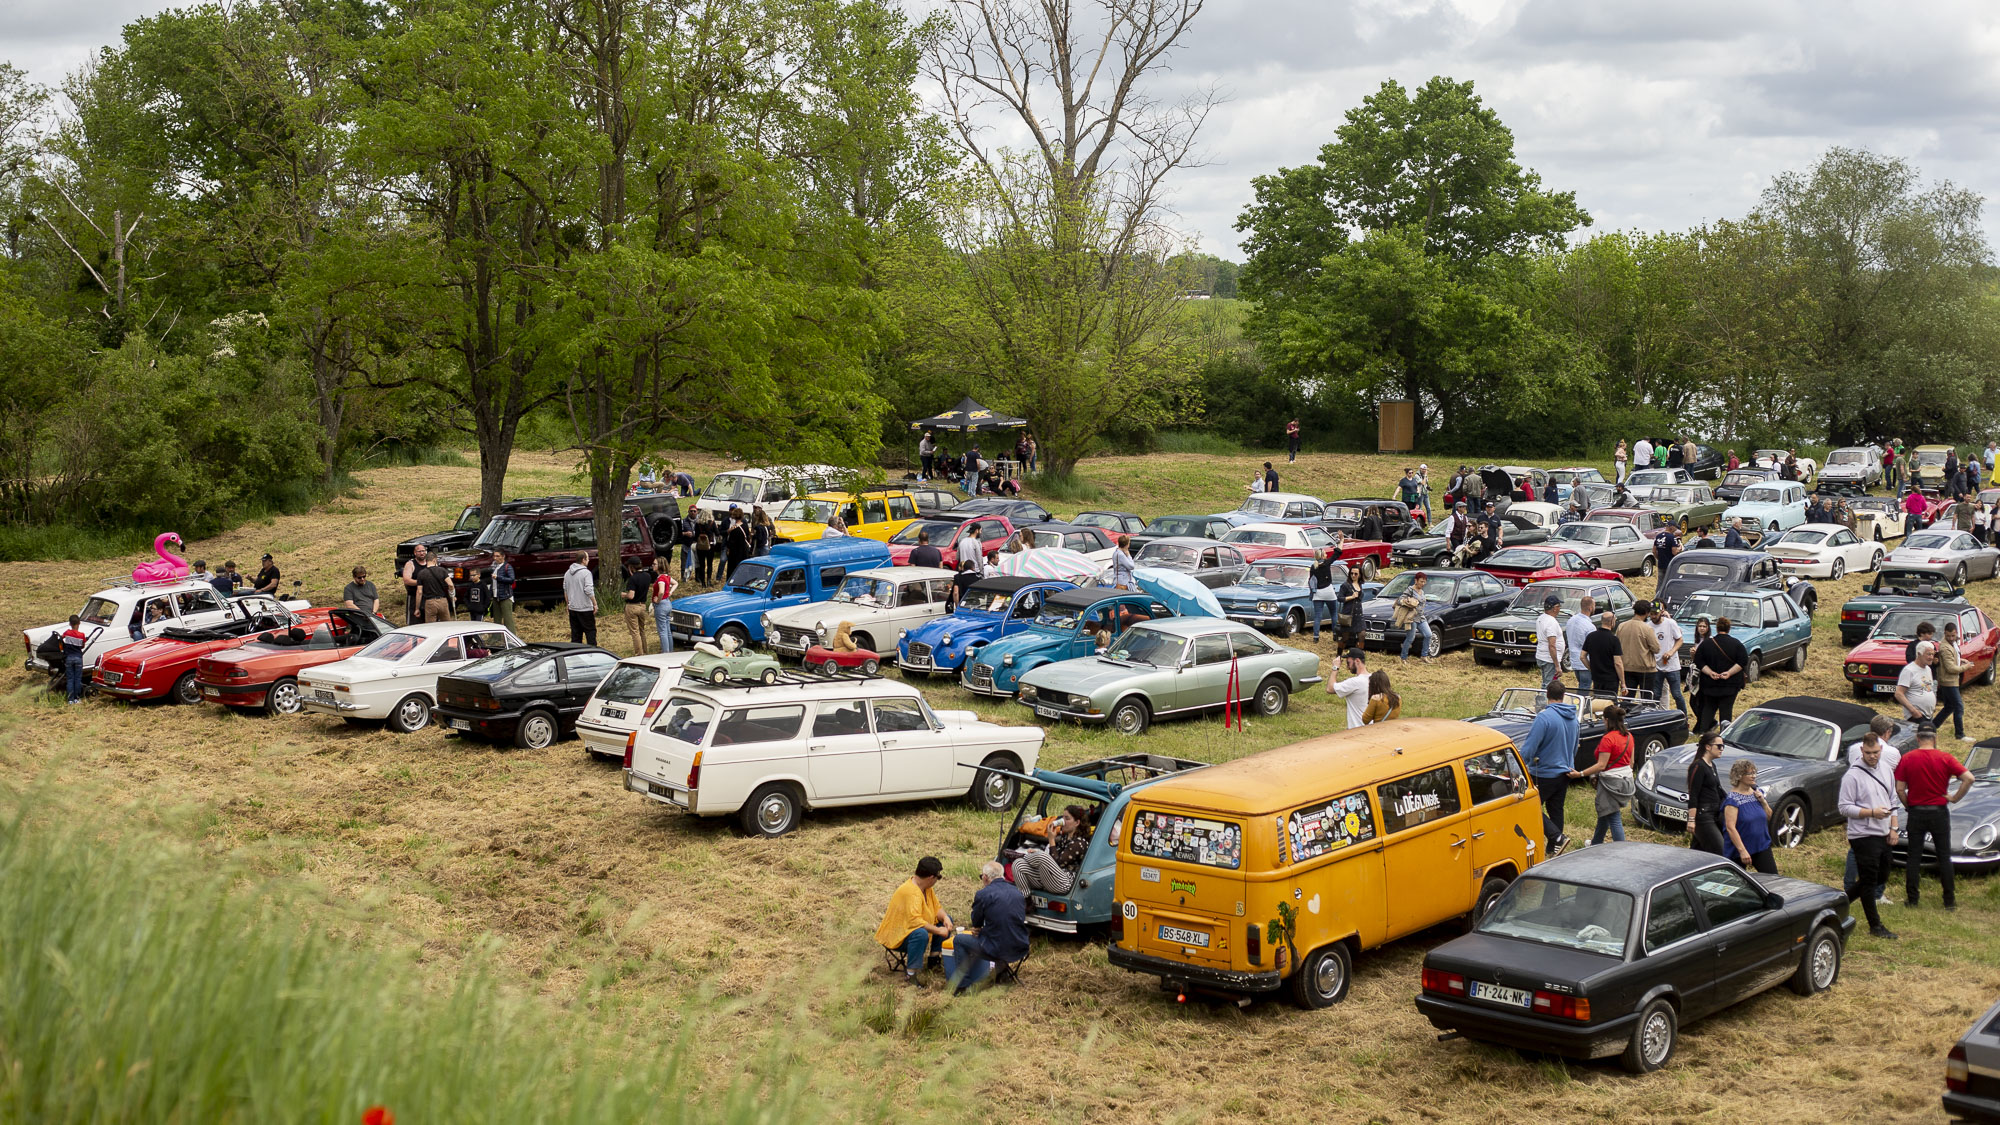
(792, 574)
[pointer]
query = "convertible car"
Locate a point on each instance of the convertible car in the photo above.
(1178, 666)
(1975, 821)
(1652, 725)
(263, 673)
(1800, 746)
(1879, 517)
(1349, 517)
(991, 609)
(1612, 950)
(1453, 601)
(1875, 663)
(1896, 586)
(163, 667)
(1956, 551)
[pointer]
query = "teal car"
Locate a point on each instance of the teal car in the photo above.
(1172, 667)
(1071, 623)
(1104, 787)
(1774, 505)
(1769, 625)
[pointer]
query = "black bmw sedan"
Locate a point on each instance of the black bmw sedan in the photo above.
(1613, 949)
(530, 695)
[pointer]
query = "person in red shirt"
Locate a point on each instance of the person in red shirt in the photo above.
(1921, 778)
(74, 641)
(663, 603)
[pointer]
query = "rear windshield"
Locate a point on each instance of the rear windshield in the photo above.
(1259, 506)
(732, 486)
(394, 646)
(1570, 915)
(494, 667)
(1187, 839)
(1170, 555)
(629, 683)
(1686, 569)
(1176, 525)
(99, 611)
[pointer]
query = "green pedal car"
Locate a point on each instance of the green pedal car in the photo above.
(1176, 666)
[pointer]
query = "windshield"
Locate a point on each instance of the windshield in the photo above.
(1781, 735)
(1763, 495)
(1928, 542)
(750, 577)
(504, 534)
(732, 487)
(866, 591)
(1060, 616)
(687, 720)
(1901, 624)
(1564, 914)
(1584, 533)
(1686, 569)
(468, 520)
(1847, 457)
(1276, 574)
(1522, 699)
(1679, 494)
(1173, 556)
(1261, 538)
(1520, 557)
(1983, 763)
(1651, 476)
(1530, 599)
(1176, 525)
(1739, 610)
(1345, 513)
(1802, 536)
(1874, 504)
(808, 511)
(1745, 476)
(940, 532)
(498, 665)
(1930, 457)
(1434, 590)
(628, 683)
(1258, 505)
(394, 646)
(1148, 646)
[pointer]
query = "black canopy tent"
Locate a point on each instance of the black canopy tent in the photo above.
(968, 417)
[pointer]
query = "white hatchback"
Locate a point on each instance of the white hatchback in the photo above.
(628, 699)
(395, 679)
(765, 754)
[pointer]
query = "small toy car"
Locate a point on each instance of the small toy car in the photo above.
(728, 660)
(831, 662)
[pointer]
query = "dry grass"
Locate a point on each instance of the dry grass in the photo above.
(590, 893)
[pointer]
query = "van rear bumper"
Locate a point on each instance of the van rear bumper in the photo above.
(1182, 973)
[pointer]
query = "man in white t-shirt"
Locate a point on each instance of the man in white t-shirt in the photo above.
(1642, 455)
(1916, 687)
(1668, 676)
(1574, 631)
(1354, 689)
(1550, 641)
(1879, 729)
(967, 546)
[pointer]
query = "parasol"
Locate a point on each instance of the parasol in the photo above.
(1178, 592)
(1049, 562)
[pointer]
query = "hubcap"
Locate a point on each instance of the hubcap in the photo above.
(1436, 644)
(1326, 975)
(538, 732)
(773, 813)
(285, 698)
(1128, 720)
(413, 714)
(1792, 826)
(186, 691)
(1270, 700)
(999, 791)
(1825, 960)
(1839, 567)
(1657, 1038)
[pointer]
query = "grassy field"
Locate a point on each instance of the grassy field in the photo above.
(589, 900)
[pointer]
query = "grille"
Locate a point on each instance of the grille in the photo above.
(688, 621)
(1510, 637)
(795, 638)
(1053, 698)
(979, 675)
(919, 651)
(1888, 670)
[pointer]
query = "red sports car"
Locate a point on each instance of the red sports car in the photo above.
(1519, 566)
(163, 667)
(991, 531)
(263, 672)
(1874, 664)
(1259, 541)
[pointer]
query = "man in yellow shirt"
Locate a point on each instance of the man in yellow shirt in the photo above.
(914, 922)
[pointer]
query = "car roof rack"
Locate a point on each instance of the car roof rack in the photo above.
(788, 677)
(127, 582)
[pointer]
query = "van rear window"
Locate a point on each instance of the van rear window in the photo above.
(1341, 822)
(1187, 839)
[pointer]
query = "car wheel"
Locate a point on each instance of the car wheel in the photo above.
(1820, 966)
(1960, 574)
(718, 675)
(1436, 643)
(1774, 526)
(770, 676)
(1322, 978)
(864, 642)
(1684, 527)
(1875, 560)
(283, 698)
(1648, 750)
(1272, 696)
(1132, 716)
(1480, 660)
(1593, 564)
(1839, 569)
(186, 690)
(991, 791)
(1295, 623)
(412, 714)
(1788, 822)
(1987, 676)
(1653, 1040)
(1646, 567)
(537, 731)
(1368, 569)
(1878, 535)
(870, 666)
(1489, 893)
(741, 634)
(772, 810)
(1753, 669)
(1799, 658)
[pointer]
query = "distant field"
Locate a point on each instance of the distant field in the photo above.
(597, 901)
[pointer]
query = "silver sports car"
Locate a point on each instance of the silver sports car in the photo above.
(1947, 548)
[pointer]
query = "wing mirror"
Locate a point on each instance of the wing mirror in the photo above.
(1773, 900)
(1464, 599)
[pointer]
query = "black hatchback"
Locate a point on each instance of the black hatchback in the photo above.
(530, 695)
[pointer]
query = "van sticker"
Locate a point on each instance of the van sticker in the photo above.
(1410, 803)
(1175, 886)
(1312, 904)
(1298, 892)
(1340, 823)
(1149, 874)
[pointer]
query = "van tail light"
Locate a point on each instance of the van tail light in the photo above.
(629, 740)
(1957, 1074)
(1443, 983)
(694, 773)
(1254, 940)
(1562, 1007)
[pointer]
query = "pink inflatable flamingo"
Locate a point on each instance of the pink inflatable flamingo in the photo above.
(168, 567)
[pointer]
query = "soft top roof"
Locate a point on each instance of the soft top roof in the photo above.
(1086, 597)
(1839, 712)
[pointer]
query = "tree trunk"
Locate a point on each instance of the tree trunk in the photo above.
(610, 476)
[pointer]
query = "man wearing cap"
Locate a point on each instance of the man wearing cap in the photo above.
(914, 922)
(1921, 776)
(1354, 689)
(267, 577)
(1551, 643)
(1640, 647)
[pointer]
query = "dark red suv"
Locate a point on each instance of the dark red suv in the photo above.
(540, 541)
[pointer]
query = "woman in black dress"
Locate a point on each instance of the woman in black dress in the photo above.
(1706, 795)
(1718, 662)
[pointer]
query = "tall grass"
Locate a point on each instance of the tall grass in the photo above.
(1199, 442)
(140, 988)
(1065, 488)
(48, 542)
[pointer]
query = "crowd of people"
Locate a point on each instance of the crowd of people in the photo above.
(972, 471)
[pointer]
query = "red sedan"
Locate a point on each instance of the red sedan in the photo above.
(1259, 541)
(1874, 664)
(263, 672)
(1520, 566)
(991, 531)
(163, 667)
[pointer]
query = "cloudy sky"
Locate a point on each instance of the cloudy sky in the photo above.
(1657, 114)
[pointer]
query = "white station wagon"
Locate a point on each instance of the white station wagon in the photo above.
(881, 603)
(765, 754)
(628, 699)
(395, 679)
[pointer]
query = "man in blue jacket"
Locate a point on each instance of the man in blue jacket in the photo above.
(1550, 751)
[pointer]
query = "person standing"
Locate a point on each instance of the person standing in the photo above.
(74, 641)
(1292, 439)
(1746, 819)
(663, 604)
(200, 572)
(1326, 589)
(998, 935)
(1916, 685)
(705, 536)
(1640, 647)
(1719, 661)
(1353, 690)
(638, 587)
(360, 594)
(1270, 478)
(1550, 753)
(1950, 669)
(1383, 703)
(1410, 490)
(736, 541)
(1122, 565)
(1613, 771)
(503, 593)
(413, 596)
(1668, 678)
(1034, 453)
(1921, 777)
(1618, 463)
(1666, 544)
(923, 554)
(1550, 642)
(1642, 454)
(763, 533)
(1880, 728)
(1733, 540)
(926, 455)
(434, 583)
(479, 594)
(1576, 631)
(1868, 801)
(1605, 656)
(580, 596)
(1409, 616)
(1706, 797)
(967, 547)
(226, 579)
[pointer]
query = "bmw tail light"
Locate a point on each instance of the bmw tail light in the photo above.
(1443, 983)
(694, 773)
(1853, 615)
(630, 739)
(1562, 1007)
(1957, 1074)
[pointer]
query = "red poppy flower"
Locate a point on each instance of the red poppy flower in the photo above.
(378, 1115)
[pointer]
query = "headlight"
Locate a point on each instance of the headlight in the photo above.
(902, 634)
(945, 640)
(820, 628)
(1857, 668)
(1648, 772)
(1981, 836)
(1008, 660)
(1267, 607)
(1029, 694)
(767, 623)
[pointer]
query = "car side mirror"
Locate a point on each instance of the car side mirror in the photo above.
(1773, 900)
(1464, 598)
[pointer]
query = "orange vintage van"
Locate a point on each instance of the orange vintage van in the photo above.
(1359, 838)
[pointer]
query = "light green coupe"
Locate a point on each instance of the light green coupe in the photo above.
(1689, 505)
(1170, 666)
